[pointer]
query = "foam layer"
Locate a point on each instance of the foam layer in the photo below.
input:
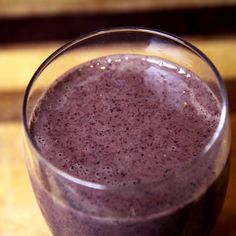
(124, 120)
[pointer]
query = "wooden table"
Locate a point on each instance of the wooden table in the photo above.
(42, 7)
(19, 213)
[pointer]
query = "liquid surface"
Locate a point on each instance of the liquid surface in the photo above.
(124, 120)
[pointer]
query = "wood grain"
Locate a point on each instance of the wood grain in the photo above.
(16, 70)
(40, 7)
(19, 213)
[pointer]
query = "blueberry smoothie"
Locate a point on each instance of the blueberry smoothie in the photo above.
(134, 129)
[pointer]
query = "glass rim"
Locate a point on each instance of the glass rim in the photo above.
(154, 32)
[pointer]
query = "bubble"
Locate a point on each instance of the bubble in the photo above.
(34, 118)
(40, 140)
(123, 174)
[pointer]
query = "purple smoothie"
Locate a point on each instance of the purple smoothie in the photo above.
(137, 124)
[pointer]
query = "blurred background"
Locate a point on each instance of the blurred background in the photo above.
(32, 29)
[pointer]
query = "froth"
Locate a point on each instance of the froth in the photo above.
(125, 120)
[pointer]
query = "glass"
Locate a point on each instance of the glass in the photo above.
(73, 206)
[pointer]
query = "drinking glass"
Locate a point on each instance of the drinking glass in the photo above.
(73, 206)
